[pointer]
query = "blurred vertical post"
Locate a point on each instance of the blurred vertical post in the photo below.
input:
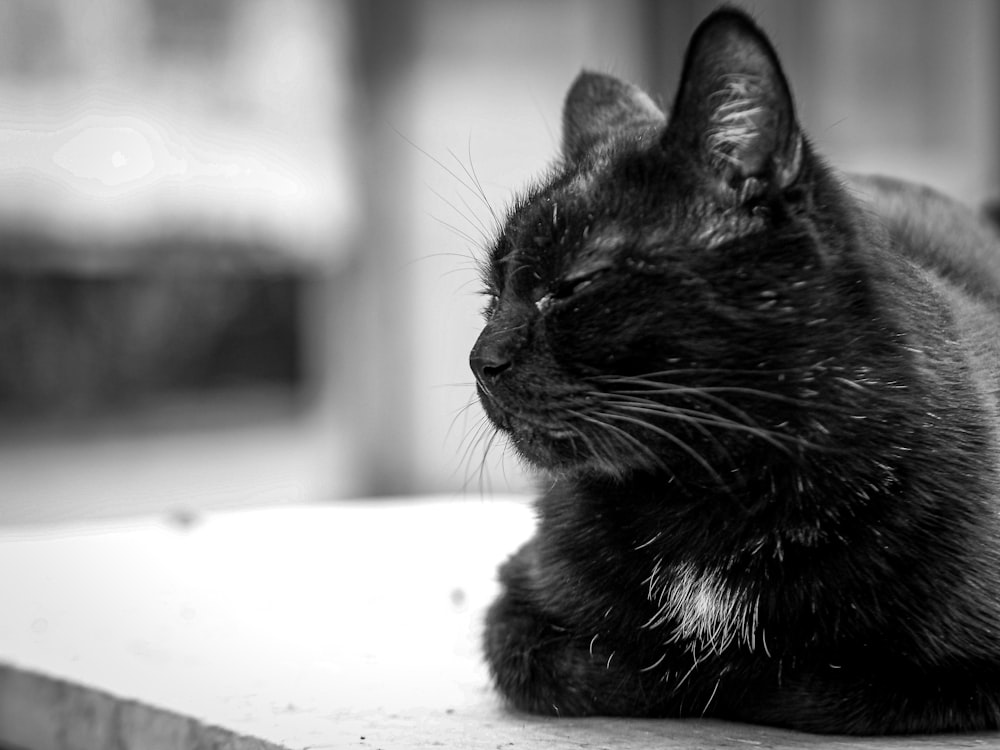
(377, 309)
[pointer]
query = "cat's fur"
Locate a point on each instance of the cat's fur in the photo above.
(766, 398)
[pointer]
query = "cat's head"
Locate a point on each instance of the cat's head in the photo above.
(658, 296)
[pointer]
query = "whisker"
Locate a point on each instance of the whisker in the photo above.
(601, 450)
(461, 412)
(485, 236)
(485, 483)
(630, 441)
(437, 161)
(469, 180)
(511, 329)
(655, 408)
(754, 371)
(471, 444)
(459, 384)
(460, 233)
(470, 172)
(468, 258)
(480, 223)
(703, 420)
(655, 387)
(711, 395)
(699, 420)
(695, 456)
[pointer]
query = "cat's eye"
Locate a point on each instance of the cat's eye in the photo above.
(566, 288)
(575, 282)
(573, 285)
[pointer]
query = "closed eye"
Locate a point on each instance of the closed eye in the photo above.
(572, 285)
(566, 288)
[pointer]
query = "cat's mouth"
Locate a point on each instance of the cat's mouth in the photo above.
(518, 422)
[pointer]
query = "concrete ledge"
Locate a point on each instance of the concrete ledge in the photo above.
(41, 713)
(352, 625)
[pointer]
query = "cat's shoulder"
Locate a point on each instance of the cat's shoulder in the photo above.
(936, 230)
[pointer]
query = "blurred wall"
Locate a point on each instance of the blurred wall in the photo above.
(367, 150)
(177, 189)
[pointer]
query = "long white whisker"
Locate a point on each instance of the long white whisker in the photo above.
(460, 413)
(701, 419)
(697, 457)
(479, 222)
(460, 233)
(642, 386)
(600, 445)
(626, 438)
(441, 164)
(470, 172)
(485, 483)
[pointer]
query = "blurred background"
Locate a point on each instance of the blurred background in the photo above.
(238, 237)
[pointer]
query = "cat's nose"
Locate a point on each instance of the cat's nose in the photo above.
(489, 360)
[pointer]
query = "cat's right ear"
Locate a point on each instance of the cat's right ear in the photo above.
(734, 107)
(599, 108)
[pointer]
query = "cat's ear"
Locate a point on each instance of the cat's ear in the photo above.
(735, 108)
(599, 108)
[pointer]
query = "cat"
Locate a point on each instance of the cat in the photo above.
(765, 401)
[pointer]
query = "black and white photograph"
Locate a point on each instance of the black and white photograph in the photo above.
(518, 374)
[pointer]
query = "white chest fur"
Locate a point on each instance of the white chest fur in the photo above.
(702, 608)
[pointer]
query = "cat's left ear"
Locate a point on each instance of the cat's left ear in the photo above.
(734, 106)
(600, 108)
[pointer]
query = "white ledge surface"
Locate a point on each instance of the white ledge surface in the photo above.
(350, 625)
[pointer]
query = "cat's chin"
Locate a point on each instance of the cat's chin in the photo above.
(554, 448)
(549, 451)
(560, 454)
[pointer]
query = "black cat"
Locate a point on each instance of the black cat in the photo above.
(766, 399)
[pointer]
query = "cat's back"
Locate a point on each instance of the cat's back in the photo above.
(958, 252)
(937, 232)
